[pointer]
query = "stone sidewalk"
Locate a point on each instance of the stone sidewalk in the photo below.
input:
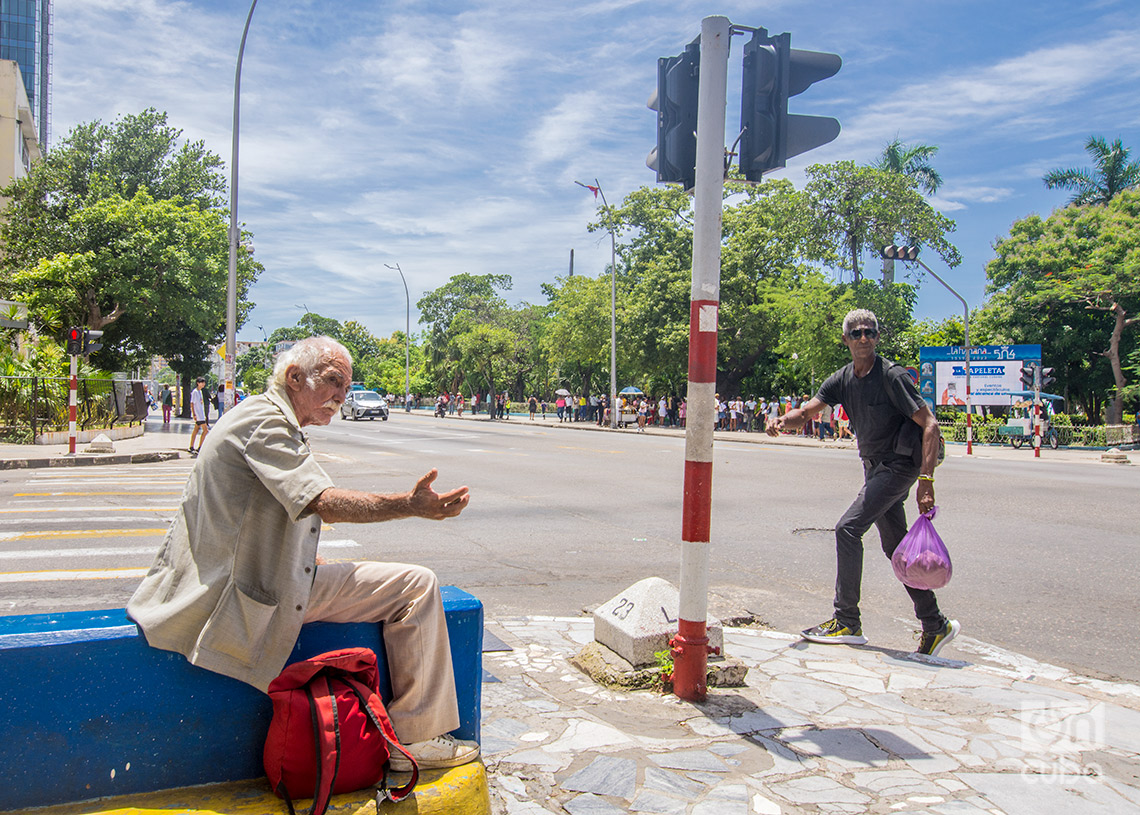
(817, 729)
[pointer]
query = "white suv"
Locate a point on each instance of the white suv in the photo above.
(364, 404)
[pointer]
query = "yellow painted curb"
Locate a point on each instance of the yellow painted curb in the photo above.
(458, 791)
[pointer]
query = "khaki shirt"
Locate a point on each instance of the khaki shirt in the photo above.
(231, 581)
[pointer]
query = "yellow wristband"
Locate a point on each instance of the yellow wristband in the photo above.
(925, 477)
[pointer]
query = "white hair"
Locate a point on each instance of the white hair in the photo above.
(310, 355)
(859, 316)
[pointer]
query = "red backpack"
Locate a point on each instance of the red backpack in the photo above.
(330, 733)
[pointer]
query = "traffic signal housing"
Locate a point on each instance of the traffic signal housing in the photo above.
(1047, 378)
(90, 341)
(893, 252)
(1029, 376)
(74, 341)
(675, 100)
(773, 72)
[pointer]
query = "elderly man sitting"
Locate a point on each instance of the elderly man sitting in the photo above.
(238, 572)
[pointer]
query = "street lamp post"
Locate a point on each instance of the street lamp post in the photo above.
(407, 341)
(597, 189)
(966, 326)
(231, 283)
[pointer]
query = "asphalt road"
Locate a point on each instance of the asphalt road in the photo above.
(561, 520)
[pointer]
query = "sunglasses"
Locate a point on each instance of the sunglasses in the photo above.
(859, 333)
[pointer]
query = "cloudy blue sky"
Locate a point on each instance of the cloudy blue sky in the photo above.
(447, 136)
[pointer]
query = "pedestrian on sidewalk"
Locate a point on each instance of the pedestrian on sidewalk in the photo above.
(167, 403)
(198, 414)
(898, 441)
(532, 407)
(238, 572)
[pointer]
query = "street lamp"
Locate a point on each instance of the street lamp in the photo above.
(407, 341)
(910, 254)
(231, 283)
(597, 190)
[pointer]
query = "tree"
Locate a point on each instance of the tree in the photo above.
(912, 161)
(1057, 279)
(120, 228)
(1112, 174)
(576, 340)
(859, 209)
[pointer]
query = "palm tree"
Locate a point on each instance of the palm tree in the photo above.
(912, 161)
(1112, 174)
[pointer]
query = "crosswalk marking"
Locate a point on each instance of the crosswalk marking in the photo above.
(75, 574)
(44, 576)
(55, 494)
(79, 533)
(125, 550)
(53, 508)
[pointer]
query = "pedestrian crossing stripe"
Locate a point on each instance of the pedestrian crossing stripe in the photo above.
(52, 494)
(120, 551)
(77, 574)
(99, 533)
(86, 509)
(80, 533)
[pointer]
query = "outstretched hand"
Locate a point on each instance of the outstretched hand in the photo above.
(427, 503)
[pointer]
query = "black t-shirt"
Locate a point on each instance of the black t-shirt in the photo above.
(879, 405)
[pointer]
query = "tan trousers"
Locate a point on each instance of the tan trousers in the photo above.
(405, 598)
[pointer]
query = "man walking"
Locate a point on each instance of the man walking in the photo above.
(198, 414)
(898, 440)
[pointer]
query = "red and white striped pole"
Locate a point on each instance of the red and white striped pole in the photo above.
(690, 646)
(72, 387)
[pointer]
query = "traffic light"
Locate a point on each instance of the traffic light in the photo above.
(893, 252)
(1028, 375)
(1047, 378)
(74, 341)
(675, 100)
(773, 72)
(90, 346)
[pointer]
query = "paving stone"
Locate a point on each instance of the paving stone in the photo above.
(846, 747)
(933, 764)
(605, 775)
(700, 760)
(901, 741)
(806, 696)
(762, 805)
(785, 761)
(895, 782)
(672, 783)
(770, 718)
(583, 734)
(817, 789)
(727, 799)
(1072, 794)
(538, 758)
(728, 749)
(590, 804)
(658, 804)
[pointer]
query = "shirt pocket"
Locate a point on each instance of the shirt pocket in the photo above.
(238, 625)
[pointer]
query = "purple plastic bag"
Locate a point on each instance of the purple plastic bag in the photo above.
(921, 560)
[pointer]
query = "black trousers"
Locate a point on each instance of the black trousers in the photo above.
(886, 486)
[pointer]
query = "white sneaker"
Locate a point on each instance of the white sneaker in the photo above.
(438, 753)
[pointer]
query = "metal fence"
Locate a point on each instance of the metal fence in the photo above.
(1067, 435)
(31, 405)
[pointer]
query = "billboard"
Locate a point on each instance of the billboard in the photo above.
(995, 372)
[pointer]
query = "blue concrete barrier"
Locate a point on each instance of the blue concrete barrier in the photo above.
(88, 709)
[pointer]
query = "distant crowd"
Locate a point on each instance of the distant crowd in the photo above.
(736, 414)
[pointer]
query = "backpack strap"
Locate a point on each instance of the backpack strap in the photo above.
(326, 738)
(373, 707)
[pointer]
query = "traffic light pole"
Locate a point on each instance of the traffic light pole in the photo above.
(690, 646)
(73, 386)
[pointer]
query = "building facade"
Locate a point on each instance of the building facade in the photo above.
(25, 37)
(19, 145)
